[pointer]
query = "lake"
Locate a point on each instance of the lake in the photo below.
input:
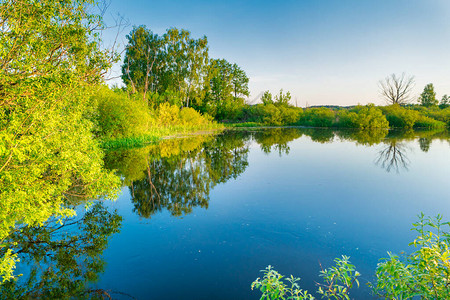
(202, 215)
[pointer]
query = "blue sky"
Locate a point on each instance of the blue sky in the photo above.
(322, 51)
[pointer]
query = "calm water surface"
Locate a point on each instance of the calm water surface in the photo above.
(202, 215)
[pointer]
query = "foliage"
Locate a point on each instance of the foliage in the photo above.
(173, 62)
(224, 94)
(51, 59)
(317, 117)
(338, 281)
(266, 98)
(120, 116)
(428, 96)
(445, 101)
(442, 114)
(273, 286)
(283, 99)
(400, 117)
(426, 122)
(362, 117)
(424, 273)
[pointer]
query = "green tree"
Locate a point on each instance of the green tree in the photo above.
(141, 63)
(283, 99)
(445, 101)
(239, 81)
(428, 96)
(227, 86)
(266, 98)
(51, 61)
(171, 63)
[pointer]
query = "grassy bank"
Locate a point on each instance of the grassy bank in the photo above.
(127, 121)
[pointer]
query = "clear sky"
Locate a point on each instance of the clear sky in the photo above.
(322, 51)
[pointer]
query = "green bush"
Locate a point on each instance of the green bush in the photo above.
(426, 122)
(362, 117)
(338, 281)
(442, 115)
(120, 116)
(424, 273)
(399, 117)
(317, 117)
(272, 115)
(290, 115)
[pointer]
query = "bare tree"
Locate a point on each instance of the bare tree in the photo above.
(393, 156)
(396, 90)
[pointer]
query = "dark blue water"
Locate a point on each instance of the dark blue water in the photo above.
(294, 205)
(202, 215)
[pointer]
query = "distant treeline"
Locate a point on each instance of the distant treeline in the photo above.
(176, 69)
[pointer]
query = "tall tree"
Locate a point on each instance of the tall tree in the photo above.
(266, 98)
(396, 89)
(227, 85)
(141, 54)
(51, 60)
(428, 96)
(239, 81)
(173, 62)
(283, 99)
(445, 101)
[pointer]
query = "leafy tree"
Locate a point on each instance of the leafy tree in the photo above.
(239, 82)
(445, 101)
(50, 60)
(283, 99)
(227, 86)
(173, 62)
(428, 96)
(396, 89)
(266, 98)
(142, 56)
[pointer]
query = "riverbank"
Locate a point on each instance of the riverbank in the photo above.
(158, 135)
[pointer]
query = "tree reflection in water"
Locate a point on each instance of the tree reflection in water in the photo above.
(178, 174)
(393, 156)
(60, 259)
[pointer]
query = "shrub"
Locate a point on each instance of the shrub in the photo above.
(338, 282)
(369, 116)
(317, 117)
(272, 115)
(290, 115)
(119, 116)
(400, 117)
(425, 272)
(191, 117)
(426, 122)
(167, 115)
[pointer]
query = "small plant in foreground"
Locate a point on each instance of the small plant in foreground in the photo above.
(425, 273)
(273, 286)
(338, 281)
